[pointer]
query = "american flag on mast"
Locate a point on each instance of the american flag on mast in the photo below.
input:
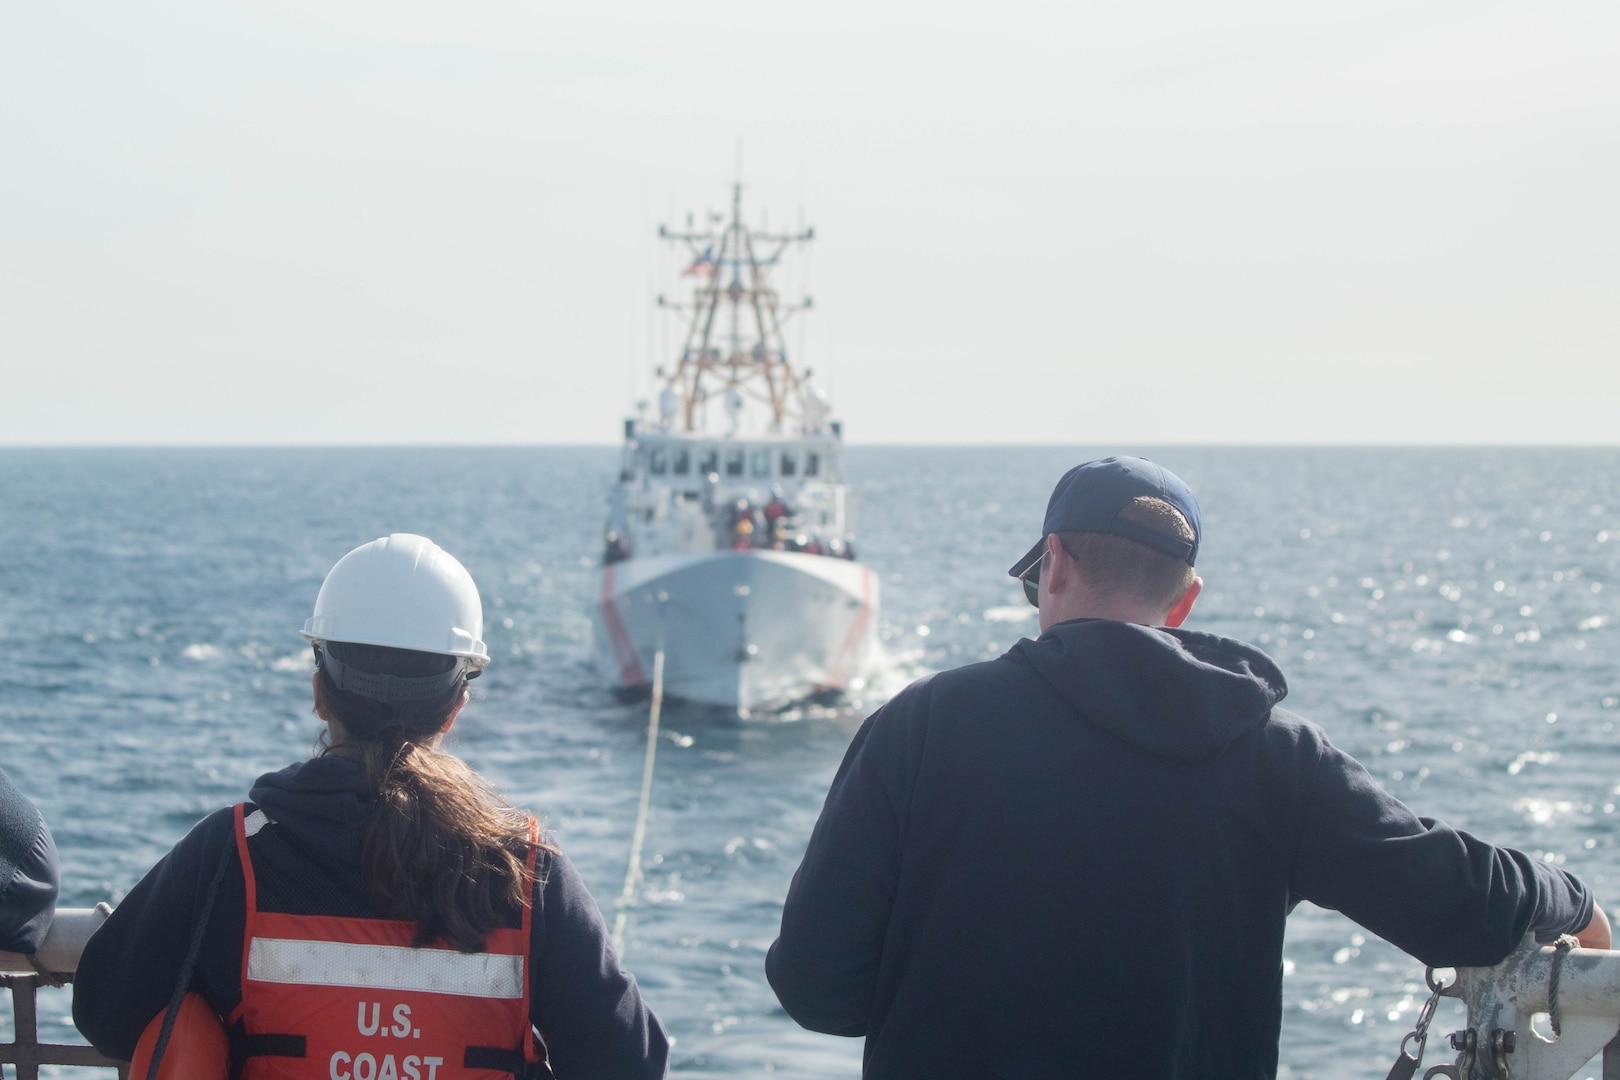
(702, 265)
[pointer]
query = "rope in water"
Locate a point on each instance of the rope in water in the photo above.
(632, 872)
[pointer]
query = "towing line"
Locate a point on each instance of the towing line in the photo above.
(632, 872)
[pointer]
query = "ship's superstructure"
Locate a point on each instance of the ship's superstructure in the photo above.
(729, 537)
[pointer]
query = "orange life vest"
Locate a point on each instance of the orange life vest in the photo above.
(327, 998)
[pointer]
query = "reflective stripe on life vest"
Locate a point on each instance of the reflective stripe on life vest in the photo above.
(330, 998)
(252, 823)
(384, 967)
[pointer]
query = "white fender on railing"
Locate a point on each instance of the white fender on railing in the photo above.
(1505, 998)
(64, 943)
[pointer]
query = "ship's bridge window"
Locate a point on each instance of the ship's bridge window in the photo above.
(790, 463)
(658, 461)
(759, 463)
(734, 462)
(709, 462)
(683, 462)
(812, 464)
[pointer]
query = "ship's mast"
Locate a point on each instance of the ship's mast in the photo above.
(736, 263)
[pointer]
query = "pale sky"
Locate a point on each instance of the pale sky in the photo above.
(1241, 221)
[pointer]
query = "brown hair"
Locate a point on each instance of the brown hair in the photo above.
(442, 849)
(1114, 562)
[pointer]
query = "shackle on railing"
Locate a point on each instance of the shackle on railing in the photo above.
(1541, 1014)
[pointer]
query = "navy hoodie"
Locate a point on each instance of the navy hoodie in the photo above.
(589, 1010)
(28, 873)
(1077, 860)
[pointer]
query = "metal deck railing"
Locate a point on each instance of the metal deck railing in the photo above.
(1541, 1014)
(1538, 1015)
(53, 965)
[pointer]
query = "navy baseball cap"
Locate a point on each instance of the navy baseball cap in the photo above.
(1090, 497)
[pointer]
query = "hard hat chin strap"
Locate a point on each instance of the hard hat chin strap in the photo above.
(388, 687)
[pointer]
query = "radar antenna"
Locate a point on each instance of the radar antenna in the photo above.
(734, 322)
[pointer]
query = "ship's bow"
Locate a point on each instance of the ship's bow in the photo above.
(746, 630)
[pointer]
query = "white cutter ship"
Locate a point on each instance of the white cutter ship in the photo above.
(729, 539)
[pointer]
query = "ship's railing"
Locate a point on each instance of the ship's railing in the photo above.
(53, 965)
(821, 506)
(1536, 1016)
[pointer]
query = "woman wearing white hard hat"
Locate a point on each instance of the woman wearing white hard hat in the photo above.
(377, 912)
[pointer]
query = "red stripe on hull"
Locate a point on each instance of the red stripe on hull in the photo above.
(839, 675)
(623, 650)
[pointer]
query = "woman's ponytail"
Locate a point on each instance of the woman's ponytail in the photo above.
(442, 849)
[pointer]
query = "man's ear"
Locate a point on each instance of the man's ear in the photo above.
(1183, 608)
(1058, 567)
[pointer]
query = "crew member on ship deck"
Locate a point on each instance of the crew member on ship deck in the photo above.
(1077, 859)
(381, 914)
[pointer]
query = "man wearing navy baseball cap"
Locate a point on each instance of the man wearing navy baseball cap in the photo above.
(1137, 525)
(1077, 859)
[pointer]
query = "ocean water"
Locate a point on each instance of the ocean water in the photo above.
(1449, 615)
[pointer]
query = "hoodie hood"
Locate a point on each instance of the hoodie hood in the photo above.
(322, 803)
(1177, 693)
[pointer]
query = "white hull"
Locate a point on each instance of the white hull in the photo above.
(744, 630)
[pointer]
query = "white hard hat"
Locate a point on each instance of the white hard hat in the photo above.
(403, 592)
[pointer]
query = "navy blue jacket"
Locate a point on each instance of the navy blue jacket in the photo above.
(29, 878)
(589, 1011)
(1077, 860)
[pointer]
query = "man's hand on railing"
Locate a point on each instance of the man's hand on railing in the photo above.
(1595, 934)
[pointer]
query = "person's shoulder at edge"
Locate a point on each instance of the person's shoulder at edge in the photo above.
(32, 879)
